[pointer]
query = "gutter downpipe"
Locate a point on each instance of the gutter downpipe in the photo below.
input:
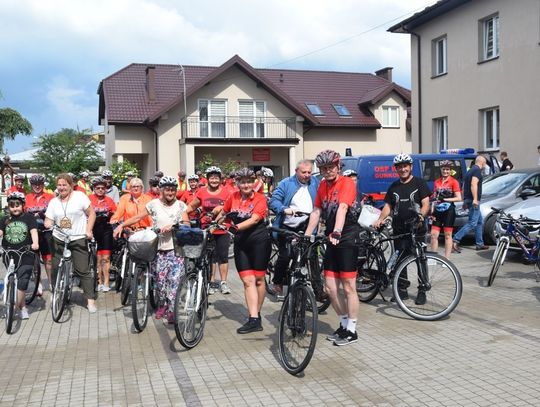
(156, 142)
(419, 78)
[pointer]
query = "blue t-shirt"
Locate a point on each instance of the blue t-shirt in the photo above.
(475, 171)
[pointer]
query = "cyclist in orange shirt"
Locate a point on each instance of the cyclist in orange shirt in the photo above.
(132, 204)
(154, 192)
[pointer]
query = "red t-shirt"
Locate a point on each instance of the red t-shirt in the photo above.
(187, 197)
(208, 202)
(447, 188)
(37, 203)
(330, 196)
(14, 188)
(104, 207)
(243, 209)
(154, 196)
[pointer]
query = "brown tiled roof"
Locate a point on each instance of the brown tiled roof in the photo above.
(124, 94)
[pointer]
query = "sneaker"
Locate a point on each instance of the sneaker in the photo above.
(92, 309)
(212, 288)
(482, 247)
(336, 334)
(420, 298)
(24, 313)
(160, 312)
(40, 290)
(346, 338)
(403, 294)
(456, 248)
(105, 288)
(170, 317)
(100, 287)
(252, 325)
(225, 288)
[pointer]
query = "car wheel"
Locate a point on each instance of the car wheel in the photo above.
(489, 229)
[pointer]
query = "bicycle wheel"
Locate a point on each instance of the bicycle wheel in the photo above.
(116, 270)
(61, 292)
(437, 277)
(153, 295)
(387, 246)
(33, 284)
(498, 259)
(139, 296)
(126, 282)
(230, 255)
(269, 276)
(189, 313)
(92, 266)
(297, 332)
(10, 303)
(317, 283)
(371, 268)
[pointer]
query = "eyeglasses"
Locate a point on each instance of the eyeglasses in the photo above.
(136, 186)
(99, 187)
(328, 168)
(15, 204)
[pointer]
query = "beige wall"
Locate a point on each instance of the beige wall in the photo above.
(510, 82)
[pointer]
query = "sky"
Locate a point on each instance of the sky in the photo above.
(56, 52)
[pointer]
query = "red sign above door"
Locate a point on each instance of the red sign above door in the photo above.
(260, 154)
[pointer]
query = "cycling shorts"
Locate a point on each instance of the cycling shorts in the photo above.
(444, 219)
(340, 262)
(45, 245)
(251, 256)
(221, 251)
(103, 234)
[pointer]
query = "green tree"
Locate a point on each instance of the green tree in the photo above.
(11, 125)
(226, 166)
(119, 170)
(68, 150)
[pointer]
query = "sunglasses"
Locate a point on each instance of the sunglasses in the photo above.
(15, 204)
(99, 187)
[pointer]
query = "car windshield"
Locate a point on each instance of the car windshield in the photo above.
(503, 183)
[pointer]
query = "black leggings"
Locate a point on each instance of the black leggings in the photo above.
(252, 254)
(221, 251)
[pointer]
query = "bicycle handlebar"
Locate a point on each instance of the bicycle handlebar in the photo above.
(297, 235)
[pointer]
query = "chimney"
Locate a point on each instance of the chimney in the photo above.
(385, 73)
(151, 83)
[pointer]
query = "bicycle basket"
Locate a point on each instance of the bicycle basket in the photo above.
(189, 242)
(142, 245)
(368, 216)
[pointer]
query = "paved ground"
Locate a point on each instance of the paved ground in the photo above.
(486, 353)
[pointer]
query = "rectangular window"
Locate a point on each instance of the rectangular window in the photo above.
(252, 118)
(490, 38)
(341, 109)
(314, 109)
(491, 126)
(440, 127)
(390, 116)
(439, 51)
(212, 118)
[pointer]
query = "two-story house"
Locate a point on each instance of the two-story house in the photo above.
(475, 65)
(170, 116)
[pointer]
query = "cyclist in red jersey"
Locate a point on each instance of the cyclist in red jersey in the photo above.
(446, 191)
(104, 207)
(189, 195)
(17, 186)
(210, 200)
(247, 210)
(202, 180)
(36, 204)
(153, 190)
(229, 183)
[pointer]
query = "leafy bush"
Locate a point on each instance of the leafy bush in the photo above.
(119, 170)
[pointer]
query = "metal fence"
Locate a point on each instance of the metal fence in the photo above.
(239, 127)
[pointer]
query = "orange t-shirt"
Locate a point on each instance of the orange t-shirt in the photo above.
(129, 207)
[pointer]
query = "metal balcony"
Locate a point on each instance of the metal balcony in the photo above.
(239, 127)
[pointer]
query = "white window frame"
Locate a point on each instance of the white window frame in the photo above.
(440, 127)
(386, 118)
(258, 120)
(491, 122)
(440, 49)
(320, 112)
(490, 34)
(212, 121)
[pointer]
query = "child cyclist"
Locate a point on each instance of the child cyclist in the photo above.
(18, 230)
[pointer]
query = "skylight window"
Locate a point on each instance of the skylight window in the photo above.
(341, 109)
(314, 109)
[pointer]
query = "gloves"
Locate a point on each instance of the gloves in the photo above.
(233, 229)
(335, 235)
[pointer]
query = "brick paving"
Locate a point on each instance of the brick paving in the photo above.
(486, 353)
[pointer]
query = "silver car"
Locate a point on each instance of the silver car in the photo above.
(501, 191)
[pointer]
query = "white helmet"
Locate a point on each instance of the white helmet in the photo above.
(213, 170)
(106, 173)
(349, 173)
(267, 172)
(166, 181)
(402, 159)
(193, 177)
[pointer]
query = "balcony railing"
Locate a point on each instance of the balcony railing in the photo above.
(239, 127)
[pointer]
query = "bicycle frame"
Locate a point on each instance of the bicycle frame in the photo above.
(11, 269)
(521, 239)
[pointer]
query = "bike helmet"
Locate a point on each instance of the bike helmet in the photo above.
(98, 181)
(327, 157)
(130, 174)
(446, 163)
(244, 173)
(402, 159)
(167, 181)
(73, 176)
(153, 182)
(213, 170)
(158, 174)
(84, 174)
(37, 179)
(18, 177)
(193, 177)
(349, 173)
(181, 173)
(267, 172)
(16, 196)
(106, 174)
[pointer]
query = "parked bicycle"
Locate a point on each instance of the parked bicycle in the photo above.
(298, 317)
(12, 261)
(437, 277)
(519, 230)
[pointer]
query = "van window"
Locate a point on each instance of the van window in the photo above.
(431, 170)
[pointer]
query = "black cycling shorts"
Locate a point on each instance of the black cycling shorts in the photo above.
(445, 219)
(45, 245)
(221, 251)
(103, 234)
(340, 262)
(251, 256)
